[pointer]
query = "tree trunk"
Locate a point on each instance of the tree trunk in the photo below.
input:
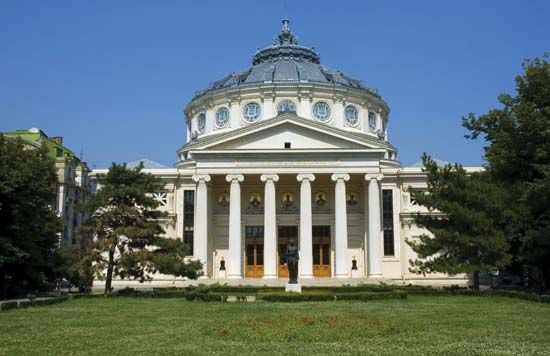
(110, 267)
(476, 280)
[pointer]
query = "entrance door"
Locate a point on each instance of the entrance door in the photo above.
(321, 251)
(254, 239)
(285, 234)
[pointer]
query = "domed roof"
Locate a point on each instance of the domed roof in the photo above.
(286, 62)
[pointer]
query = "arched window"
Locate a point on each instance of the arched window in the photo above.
(372, 121)
(202, 121)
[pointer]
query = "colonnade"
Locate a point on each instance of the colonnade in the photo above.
(341, 264)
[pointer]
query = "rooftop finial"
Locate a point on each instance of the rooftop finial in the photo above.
(286, 37)
(286, 27)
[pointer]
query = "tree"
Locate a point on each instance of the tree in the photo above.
(124, 234)
(518, 157)
(29, 226)
(465, 221)
(75, 266)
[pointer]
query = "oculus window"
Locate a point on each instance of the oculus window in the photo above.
(352, 119)
(222, 117)
(252, 112)
(321, 111)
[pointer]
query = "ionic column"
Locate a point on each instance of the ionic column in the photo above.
(374, 239)
(235, 244)
(270, 226)
(341, 226)
(200, 235)
(306, 249)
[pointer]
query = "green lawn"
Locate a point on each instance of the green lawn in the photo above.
(450, 325)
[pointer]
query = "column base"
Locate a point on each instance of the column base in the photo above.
(270, 276)
(203, 277)
(306, 276)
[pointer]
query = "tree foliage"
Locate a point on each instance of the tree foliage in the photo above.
(75, 266)
(465, 219)
(124, 231)
(29, 226)
(518, 157)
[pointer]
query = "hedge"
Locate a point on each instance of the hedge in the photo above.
(366, 296)
(318, 297)
(32, 303)
(8, 305)
(218, 292)
(296, 297)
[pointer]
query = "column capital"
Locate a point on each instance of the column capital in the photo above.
(234, 177)
(305, 176)
(371, 176)
(204, 177)
(266, 177)
(337, 176)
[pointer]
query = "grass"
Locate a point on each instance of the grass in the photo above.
(419, 325)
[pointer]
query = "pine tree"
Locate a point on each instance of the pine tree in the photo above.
(124, 234)
(518, 158)
(29, 226)
(465, 221)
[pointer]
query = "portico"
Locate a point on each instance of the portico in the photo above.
(314, 208)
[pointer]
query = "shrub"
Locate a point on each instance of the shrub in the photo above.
(317, 296)
(126, 291)
(8, 305)
(352, 289)
(202, 295)
(296, 297)
(366, 296)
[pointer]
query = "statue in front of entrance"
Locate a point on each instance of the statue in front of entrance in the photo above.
(292, 261)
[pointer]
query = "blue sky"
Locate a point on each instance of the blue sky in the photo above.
(113, 77)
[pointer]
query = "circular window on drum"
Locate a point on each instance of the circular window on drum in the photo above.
(352, 118)
(222, 117)
(321, 111)
(202, 121)
(372, 121)
(252, 112)
(286, 106)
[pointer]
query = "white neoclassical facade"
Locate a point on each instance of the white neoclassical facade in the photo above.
(290, 149)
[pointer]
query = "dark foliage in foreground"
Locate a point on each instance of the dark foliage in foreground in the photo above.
(29, 226)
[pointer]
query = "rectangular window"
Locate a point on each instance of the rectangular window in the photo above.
(254, 232)
(387, 222)
(188, 219)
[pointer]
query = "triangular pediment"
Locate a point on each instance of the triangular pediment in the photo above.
(276, 137)
(299, 132)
